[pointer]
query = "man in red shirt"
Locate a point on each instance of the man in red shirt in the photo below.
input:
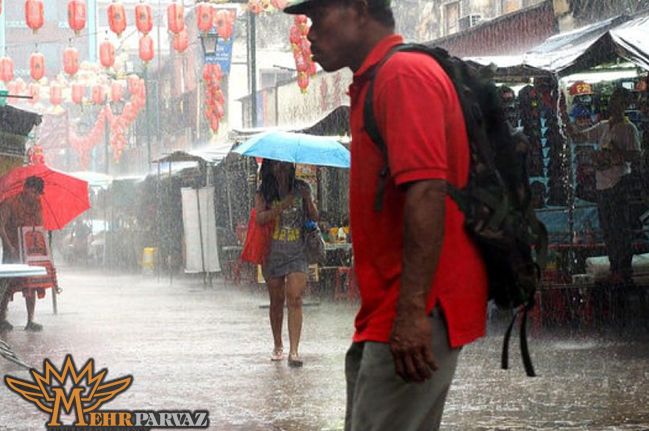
(422, 281)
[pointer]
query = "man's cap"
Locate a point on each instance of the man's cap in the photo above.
(299, 7)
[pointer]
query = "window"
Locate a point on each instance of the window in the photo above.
(451, 17)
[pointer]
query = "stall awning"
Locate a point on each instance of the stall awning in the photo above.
(581, 49)
(15, 125)
(212, 154)
(333, 123)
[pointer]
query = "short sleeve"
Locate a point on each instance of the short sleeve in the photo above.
(411, 108)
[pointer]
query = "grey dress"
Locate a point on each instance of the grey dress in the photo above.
(287, 249)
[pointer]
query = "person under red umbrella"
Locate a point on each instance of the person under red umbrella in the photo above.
(21, 210)
(64, 197)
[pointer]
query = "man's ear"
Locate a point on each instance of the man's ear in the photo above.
(362, 9)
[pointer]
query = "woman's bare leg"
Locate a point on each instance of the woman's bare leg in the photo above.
(276, 309)
(295, 286)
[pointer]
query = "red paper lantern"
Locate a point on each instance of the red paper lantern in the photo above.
(214, 124)
(132, 82)
(204, 17)
(207, 72)
(12, 90)
(77, 15)
(181, 41)
(146, 49)
(301, 64)
(6, 69)
(77, 94)
(34, 92)
(303, 81)
(37, 66)
(143, 18)
(175, 17)
(107, 54)
(34, 14)
(295, 35)
(279, 4)
(300, 20)
(55, 93)
(98, 94)
(116, 92)
(141, 89)
(254, 6)
(311, 70)
(224, 24)
(117, 18)
(71, 60)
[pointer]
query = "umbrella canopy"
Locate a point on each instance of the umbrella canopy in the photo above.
(296, 148)
(64, 196)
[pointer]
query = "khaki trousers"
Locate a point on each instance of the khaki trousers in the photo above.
(379, 400)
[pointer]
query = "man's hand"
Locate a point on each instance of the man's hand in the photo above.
(287, 202)
(410, 345)
(423, 235)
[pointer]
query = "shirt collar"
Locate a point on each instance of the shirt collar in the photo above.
(377, 53)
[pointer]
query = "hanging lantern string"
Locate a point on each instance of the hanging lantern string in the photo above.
(156, 13)
(58, 41)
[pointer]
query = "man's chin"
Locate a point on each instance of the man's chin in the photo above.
(328, 67)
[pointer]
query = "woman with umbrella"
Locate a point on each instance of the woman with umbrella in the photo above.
(288, 202)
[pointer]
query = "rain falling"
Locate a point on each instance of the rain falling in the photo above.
(144, 146)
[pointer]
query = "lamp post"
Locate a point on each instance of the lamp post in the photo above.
(209, 42)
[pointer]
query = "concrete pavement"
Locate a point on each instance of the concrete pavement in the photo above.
(190, 347)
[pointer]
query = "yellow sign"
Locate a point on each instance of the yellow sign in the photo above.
(83, 391)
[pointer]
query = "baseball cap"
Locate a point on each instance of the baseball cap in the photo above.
(299, 7)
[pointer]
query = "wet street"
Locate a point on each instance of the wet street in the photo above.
(190, 347)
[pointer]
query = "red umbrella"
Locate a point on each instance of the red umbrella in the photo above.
(64, 197)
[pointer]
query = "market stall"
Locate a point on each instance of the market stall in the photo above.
(585, 64)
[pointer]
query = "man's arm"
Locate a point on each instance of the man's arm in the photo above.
(4, 220)
(424, 218)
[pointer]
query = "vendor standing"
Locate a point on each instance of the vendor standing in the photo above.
(22, 210)
(618, 147)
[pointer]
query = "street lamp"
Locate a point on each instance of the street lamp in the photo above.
(117, 107)
(210, 42)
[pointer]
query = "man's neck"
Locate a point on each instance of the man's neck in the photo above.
(376, 33)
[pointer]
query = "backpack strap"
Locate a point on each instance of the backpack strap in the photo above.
(525, 351)
(369, 120)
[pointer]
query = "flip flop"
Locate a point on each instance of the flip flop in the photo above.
(294, 360)
(277, 355)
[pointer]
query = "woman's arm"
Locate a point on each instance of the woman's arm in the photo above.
(312, 211)
(265, 214)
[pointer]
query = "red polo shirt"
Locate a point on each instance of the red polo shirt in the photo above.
(420, 118)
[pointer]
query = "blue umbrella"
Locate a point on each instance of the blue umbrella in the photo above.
(296, 148)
